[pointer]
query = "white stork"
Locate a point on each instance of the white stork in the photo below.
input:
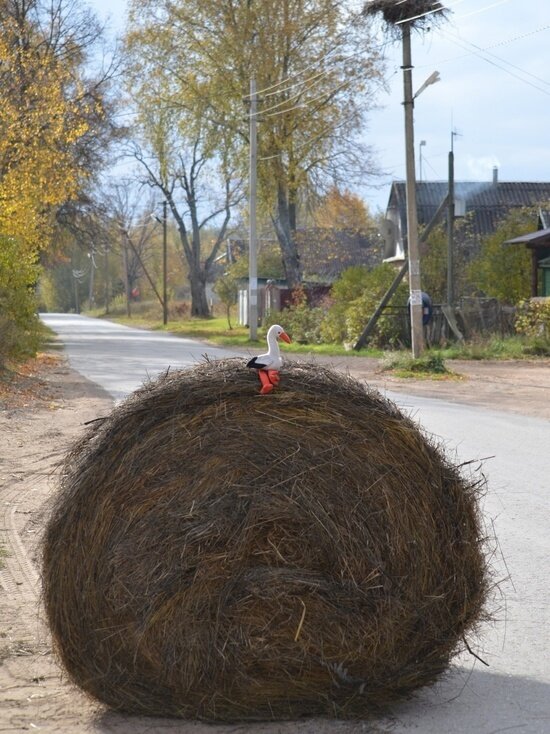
(269, 364)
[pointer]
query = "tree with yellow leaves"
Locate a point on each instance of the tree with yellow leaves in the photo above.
(343, 210)
(48, 110)
(316, 66)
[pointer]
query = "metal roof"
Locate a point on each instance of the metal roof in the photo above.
(487, 202)
(541, 238)
(324, 252)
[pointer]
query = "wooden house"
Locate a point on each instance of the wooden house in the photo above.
(485, 204)
(324, 254)
(538, 243)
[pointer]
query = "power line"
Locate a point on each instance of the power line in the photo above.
(381, 46)
(293, 76)
(486, 50)
(295, 96)
(519, 38)
(502, 68)
(505, 42)
(460, 43)
(266, 91)
(422, 15)
(321, 73)
(302, 91)
(330, 128)
(443, 7)
(310, 101)
(297, 84)
(482, 10)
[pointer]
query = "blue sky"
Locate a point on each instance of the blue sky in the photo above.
(493, 57)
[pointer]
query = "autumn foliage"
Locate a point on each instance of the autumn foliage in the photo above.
(43, 116)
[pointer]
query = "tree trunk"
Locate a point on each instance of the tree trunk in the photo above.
(285, 225)
(199, 302)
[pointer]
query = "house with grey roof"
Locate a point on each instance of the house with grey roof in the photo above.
(485, 204)
(538, 243)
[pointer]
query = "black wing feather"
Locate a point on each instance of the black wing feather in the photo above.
(255, 364)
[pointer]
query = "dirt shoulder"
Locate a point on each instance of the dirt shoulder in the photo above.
(515, 386)
(38, 424)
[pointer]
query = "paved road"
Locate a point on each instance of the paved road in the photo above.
(513, 694)
(120, 358)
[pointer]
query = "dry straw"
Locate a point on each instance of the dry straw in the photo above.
(222, 555)
(419, 14)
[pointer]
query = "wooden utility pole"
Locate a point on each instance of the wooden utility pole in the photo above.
(369, 328)
(91, 297)
(126, 273)
(450, 231)
(417, 333)
(106, 272)
(145, 271)
(164, 264)
(253, 242)
(76, 294)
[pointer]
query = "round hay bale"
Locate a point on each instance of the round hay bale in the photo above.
(222, 555)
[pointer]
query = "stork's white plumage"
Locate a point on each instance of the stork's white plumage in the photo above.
(272, 359)
(269, 364)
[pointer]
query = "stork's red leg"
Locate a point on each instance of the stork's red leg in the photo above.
(273, 377)
(267, 387)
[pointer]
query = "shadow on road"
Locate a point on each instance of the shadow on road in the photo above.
(473, 701)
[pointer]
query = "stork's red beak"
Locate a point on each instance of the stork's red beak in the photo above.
(285, 337)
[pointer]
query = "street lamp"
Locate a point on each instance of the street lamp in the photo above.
(432, 79)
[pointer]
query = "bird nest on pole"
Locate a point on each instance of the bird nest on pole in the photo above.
(418, 13)
(222, 555)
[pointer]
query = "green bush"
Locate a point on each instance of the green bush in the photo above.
(430, 363)
(533, 319)
(355, 296)
(56, 289)
(302, 322)
(20, 329)
(504, 271)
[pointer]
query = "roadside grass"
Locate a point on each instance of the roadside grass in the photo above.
(510, 347)
(430, 366)
(147, 315)
(216, 331)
